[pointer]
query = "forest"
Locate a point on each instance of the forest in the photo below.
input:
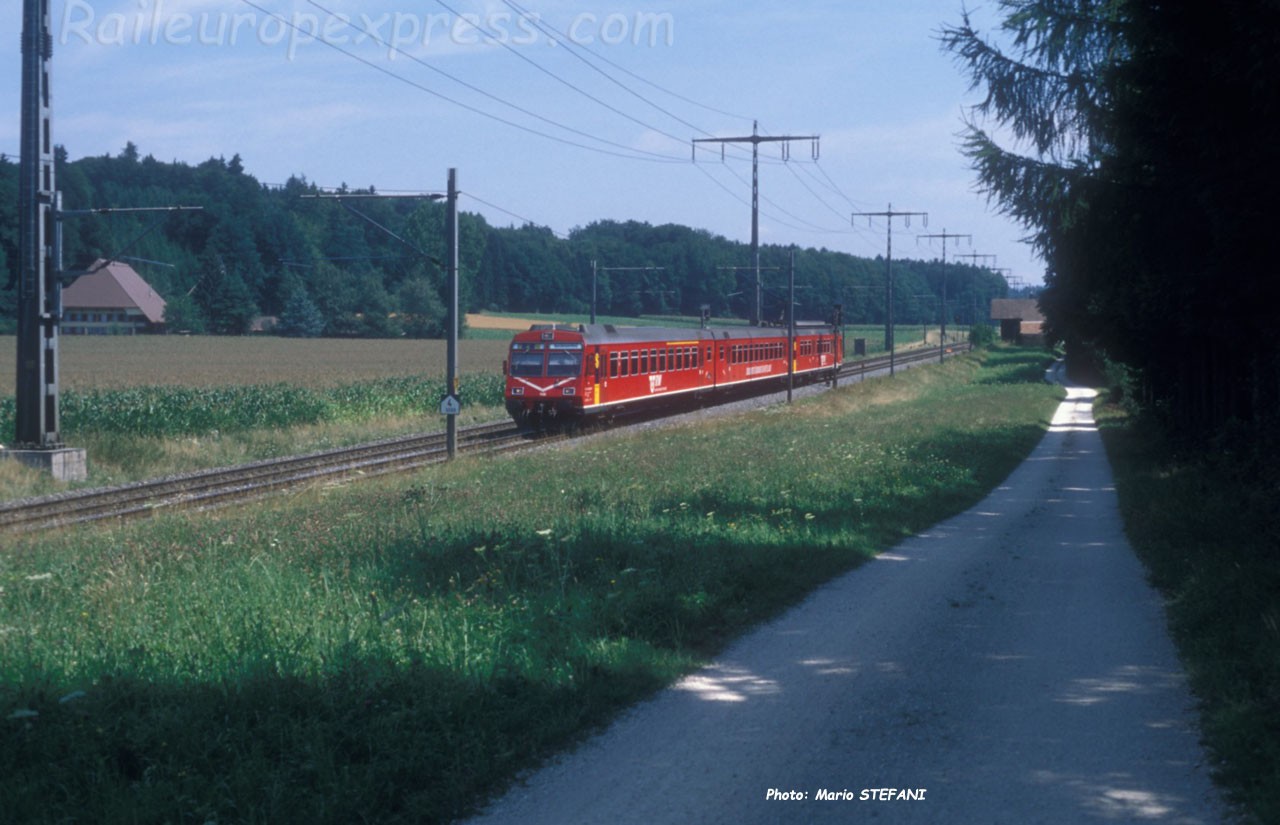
(1132, 141)
(323, 269)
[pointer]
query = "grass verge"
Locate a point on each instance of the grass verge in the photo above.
(393, 652)
(1206, 526)
(151, 431)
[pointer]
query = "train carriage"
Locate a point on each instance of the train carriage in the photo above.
(560, 373)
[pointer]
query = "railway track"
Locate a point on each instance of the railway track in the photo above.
(859, 369)
(212, 488)
(206, 489)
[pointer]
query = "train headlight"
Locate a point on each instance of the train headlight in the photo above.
(517, 390)
(570, 390)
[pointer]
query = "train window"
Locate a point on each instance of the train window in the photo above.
(613, 365)
(561, 364)
(644, 361)
(526, 363)
(635, 362)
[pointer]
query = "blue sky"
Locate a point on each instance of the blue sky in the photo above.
(559, 112)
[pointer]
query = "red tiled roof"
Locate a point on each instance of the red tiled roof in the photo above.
(114, 286)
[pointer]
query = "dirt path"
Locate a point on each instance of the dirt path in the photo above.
(1010, 665)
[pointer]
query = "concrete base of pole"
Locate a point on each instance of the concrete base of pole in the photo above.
(64, 464)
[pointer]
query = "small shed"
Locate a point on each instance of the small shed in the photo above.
(112, 300)
(1020, 319)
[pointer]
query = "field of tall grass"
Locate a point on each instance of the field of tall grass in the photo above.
(396, 650)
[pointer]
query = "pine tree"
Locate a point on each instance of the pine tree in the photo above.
(300, 317)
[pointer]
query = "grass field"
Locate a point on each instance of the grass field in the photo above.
(393, 651)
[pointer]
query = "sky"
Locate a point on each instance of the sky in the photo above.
(554, 112)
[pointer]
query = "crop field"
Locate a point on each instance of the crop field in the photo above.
(110, 362)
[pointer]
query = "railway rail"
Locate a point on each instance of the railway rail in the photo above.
(867, 366)
(213, 488)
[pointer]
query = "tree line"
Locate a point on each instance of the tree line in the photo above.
(1141, 162)
(257, 250)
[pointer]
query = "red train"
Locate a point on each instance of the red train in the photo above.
(566, 373)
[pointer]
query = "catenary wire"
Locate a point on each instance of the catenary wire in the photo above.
(446, 98)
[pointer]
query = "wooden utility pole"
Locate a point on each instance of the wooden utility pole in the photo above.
(755, 139)
(889, 214)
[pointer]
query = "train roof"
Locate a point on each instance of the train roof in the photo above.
(612, 334)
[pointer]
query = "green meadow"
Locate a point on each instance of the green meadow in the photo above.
(396, 650)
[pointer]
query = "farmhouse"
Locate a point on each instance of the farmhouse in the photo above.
(112, 300)
(1020, 319)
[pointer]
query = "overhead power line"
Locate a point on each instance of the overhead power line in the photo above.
(755, 139)
(528, 16)
(501, 42)
(575, 49)
(635, 154)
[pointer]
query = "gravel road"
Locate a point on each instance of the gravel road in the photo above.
(1010, 665)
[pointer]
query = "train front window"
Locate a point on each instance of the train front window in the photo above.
(526, 363)
(563, 364)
